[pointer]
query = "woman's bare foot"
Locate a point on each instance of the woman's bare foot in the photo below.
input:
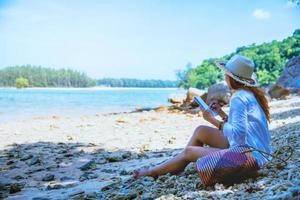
(141, 172)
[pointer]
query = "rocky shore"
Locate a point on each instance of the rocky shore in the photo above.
(92, 157)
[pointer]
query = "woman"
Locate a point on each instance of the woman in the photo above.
(247, 123)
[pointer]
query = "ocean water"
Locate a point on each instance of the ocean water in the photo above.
(24, 103)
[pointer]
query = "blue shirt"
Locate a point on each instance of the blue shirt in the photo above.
(247, 124)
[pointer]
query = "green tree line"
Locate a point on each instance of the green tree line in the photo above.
(38, 76)
(269, 58)
(127, 82)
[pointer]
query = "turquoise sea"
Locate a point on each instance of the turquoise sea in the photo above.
(24, 103)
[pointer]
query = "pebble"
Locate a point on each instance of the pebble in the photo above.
(41, 198)
(10, 162)
(48, 177)
(26, 157)
(33, 161)
(91, 165)
(14, 188)
(125, 194)
(87, 176)
(282, 196)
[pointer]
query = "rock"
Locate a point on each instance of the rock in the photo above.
(41, 198)
(14, 188)
(278, 92)
(18, 177)
(79, 194)
(192, 92)
(87, 176)
(92, 195)
(161, 109)
(114, 157)
(48, 177)
(295, 191)
(290, 76)
(285, 195)
(26, 157)
(33, 161)
(91, 165)
(67, 178)
(54, 186)
(10, 162)
(219, 91)
(125, 172)
(125, 194)
(175, 100)
(32, 170)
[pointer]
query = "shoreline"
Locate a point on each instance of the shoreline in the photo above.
(88, 88)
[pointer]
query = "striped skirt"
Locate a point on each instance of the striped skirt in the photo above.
(227, 166)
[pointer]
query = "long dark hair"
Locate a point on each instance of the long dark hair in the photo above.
(258, 93)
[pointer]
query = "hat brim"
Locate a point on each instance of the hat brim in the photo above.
(250, 83)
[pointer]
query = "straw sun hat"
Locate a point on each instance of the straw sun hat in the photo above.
(241, 69)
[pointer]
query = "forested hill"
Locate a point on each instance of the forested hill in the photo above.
(269, 58)
(127, 82)
(36, 76)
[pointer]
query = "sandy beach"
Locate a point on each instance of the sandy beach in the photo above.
(93, 156)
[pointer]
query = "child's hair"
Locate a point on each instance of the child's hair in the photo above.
(258, 93)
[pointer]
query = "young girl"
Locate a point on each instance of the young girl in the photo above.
(247, 123)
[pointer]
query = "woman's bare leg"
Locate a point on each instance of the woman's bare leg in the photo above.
(194, 150)
(210, 136)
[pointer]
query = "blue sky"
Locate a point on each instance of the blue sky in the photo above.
(136, 38)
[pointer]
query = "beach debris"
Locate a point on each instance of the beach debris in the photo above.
(145, 147)
(55, 117)
(142, 120)
(171, 140)
(69, 137)
(161, 108)
(53, 126)
(278, 91)
(192, 92)
(121, 121)
(219, 91)
(176, 100)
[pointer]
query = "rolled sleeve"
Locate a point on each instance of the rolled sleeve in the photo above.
(236, 127)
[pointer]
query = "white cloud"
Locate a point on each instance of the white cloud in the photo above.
(261, 14)
(290, 4)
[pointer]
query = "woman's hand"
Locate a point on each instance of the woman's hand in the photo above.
(216, 107)
(208, 116)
